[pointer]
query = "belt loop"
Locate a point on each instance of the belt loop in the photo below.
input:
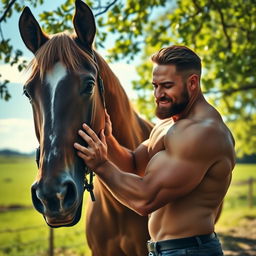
(199, 241)
(156, 248)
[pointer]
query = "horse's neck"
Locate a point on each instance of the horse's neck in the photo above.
(128, 128)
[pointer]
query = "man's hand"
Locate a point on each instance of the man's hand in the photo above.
(96, 153)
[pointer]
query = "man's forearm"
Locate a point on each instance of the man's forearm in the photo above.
(127, 188)
(121, 156)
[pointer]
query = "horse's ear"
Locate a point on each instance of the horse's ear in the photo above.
(84, 24)
(30, 31)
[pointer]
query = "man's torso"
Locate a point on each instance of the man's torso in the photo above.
(195, 213)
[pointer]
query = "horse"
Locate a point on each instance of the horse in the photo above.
(70, 84)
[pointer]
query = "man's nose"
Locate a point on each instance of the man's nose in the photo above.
(158, 92)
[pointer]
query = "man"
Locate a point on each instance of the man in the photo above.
(188, 161)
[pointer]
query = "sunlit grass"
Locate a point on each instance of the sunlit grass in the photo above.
(16, 177)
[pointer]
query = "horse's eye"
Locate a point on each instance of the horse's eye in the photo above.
(25, 92)
(87, 87)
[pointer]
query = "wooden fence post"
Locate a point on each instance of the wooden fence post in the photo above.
(250, 192)
(51, 242)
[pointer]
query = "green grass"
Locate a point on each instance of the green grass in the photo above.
(16, 177)
(236, 208)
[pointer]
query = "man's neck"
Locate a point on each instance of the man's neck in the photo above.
(192, 102)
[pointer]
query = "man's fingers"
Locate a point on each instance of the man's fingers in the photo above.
(102, 137)
(107, 117)
(106, 113)
(90, 141)
(83, 156)
(82, 149)
(90, 132)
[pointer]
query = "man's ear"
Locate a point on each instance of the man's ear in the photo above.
(193, 82)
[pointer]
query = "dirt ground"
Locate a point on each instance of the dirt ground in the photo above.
(240, 241)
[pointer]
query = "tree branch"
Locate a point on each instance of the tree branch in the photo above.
(227, 92)
(105, 8)
(224, 25)
(9, 6)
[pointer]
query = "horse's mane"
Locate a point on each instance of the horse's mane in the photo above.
(61, 47)
(128, 127)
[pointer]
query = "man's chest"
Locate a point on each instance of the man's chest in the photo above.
(156, 139)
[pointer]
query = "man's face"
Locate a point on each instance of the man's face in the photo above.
(170, 91)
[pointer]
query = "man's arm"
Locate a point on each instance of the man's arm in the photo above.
(127, 160)
(170, 174)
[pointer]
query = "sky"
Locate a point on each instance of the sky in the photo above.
(16, 120)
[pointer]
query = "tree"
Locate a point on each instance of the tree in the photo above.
(222, 32)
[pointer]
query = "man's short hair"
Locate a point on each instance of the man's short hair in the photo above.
(181, 56)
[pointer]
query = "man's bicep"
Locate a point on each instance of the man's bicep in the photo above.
(170, 176)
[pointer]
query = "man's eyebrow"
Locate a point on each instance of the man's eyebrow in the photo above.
(163, 83)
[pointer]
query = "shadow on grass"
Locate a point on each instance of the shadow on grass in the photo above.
(237, 245)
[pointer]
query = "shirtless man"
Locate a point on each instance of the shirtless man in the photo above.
(187, 161)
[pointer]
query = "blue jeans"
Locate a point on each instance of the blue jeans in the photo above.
(211, 248)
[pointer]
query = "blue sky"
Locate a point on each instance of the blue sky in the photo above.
(16, 121)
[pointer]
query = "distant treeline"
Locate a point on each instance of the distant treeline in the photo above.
(10, 152)
(247, 159)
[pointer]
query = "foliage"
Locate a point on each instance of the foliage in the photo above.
(222, 32)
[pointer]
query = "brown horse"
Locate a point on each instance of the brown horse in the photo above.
(65, 90)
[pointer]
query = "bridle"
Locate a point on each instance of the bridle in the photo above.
(88, 183)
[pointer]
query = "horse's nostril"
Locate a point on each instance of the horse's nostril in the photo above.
(70, 196)
(53, 199)
(36, 201)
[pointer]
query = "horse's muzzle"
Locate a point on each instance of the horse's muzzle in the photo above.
(59, 202)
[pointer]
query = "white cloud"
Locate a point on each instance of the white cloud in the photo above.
(12, 74)
(18, 134)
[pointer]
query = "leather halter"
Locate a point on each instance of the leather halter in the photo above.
(88, 185)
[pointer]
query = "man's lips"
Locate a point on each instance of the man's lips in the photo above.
(163, 101)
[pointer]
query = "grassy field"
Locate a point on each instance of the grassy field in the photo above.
(236, 205)
(16, 177)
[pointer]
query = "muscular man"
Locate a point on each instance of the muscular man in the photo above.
(187, 161)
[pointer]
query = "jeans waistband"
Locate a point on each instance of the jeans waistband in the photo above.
(180, 243)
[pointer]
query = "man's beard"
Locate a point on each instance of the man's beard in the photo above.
(175, 108)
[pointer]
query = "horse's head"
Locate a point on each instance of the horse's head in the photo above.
(64, 90)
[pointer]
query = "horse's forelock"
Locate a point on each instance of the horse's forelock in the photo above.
(60, 48)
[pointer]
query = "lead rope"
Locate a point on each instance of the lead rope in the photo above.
(89, 185)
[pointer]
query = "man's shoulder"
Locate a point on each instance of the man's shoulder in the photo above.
(195, 137)
(196, 129)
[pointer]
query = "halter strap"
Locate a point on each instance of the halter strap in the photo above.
(100, 81)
